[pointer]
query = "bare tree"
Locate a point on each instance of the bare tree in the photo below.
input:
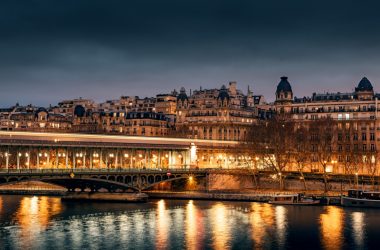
(272, 141)
(322, 138)
(370, 161)
(349, 154)
(302, 152)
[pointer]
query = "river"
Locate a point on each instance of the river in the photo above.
(31, 222)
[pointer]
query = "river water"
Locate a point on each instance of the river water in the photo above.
(31, 222)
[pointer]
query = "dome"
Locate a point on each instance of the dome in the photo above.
(39, 110)
(182, 95)
(364, 85)
(284, 85)
(79, 111)
(223, 93)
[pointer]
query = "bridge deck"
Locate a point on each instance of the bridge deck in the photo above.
(98, 140)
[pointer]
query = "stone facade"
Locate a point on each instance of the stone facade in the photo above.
(218, 114)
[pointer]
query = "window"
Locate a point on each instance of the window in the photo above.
(372, 136)
(356, 137)
(364, 136)
(347, 148)
(355, 126)
(364, 147)
(340, 158)
(340, 148)
(339, 137)
(372, 147)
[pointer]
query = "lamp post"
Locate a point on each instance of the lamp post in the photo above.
(357, 180)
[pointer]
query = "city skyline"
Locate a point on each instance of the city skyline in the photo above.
(102, 51)
(269, 99)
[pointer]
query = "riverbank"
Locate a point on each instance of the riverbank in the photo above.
(249, 196)
(33, 192)
(114, 197)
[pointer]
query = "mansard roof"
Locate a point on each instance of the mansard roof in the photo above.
(364, 85)
(284, 85)
(223, 93)
(182, 95)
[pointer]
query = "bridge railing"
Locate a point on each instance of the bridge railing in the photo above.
(100, 170)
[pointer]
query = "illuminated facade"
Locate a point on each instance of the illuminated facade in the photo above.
(31, 150)
(355, 114)
(219, 114)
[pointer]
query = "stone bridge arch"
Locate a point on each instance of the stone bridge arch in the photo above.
(95, 181)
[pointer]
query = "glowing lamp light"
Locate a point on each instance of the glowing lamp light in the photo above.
(329, 169)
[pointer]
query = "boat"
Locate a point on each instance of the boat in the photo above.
(360, 198)
(293, 199)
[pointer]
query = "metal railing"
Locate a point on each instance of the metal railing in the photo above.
(100, 170)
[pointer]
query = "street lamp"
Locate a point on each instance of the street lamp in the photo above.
(357, 180)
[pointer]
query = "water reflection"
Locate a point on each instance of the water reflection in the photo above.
(162, 225)
(35, 212)
(281, 222)
(220, 226)
(47, 223)
(261, 219)
(358, 228)
(332, 227)
(194, 226)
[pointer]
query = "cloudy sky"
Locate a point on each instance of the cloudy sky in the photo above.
(52, 50)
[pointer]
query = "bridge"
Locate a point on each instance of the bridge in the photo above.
(93, 180)
(112, 162)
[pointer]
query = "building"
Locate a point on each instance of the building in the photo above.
(355, 115)
(221, 114)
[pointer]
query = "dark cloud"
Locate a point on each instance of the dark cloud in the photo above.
(52, 50)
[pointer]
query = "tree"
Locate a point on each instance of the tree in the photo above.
(322, 138)
(272, 141)
(370, 161)
(302, 152)
(348, 150)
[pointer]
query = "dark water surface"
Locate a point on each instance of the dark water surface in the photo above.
(28, 222)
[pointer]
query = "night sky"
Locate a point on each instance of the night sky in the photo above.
(52, 50)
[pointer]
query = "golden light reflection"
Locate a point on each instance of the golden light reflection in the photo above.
(35, 213)
(332, 227)
(358, 226)
(194, 226)
(219, 226)
(1, 204)
(261, 218)
(162, 225)
(281, 223)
